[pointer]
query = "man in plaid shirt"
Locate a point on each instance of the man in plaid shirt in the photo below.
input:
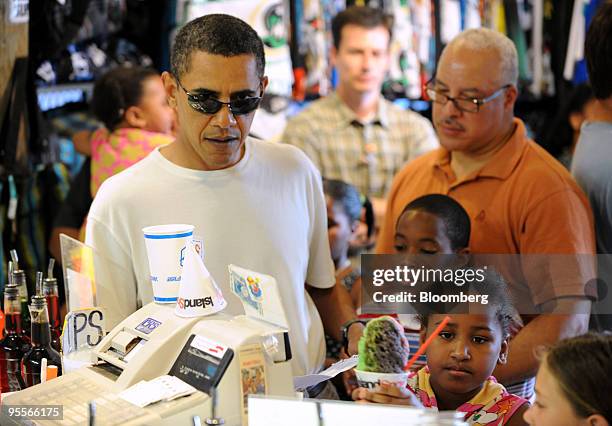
(354, 134)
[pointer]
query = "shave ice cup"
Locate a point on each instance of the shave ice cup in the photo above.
(369, 379)
(166, 250)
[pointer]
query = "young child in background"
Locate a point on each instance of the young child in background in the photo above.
(460, 360)
(574, 383)
(343, 214)
(432, 224)
(132, 105)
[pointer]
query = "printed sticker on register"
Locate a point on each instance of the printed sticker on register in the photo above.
(247, 289)
(259, 294)
(148, 325)
(206, 345)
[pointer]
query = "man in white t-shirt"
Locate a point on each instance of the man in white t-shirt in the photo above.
(255, 204)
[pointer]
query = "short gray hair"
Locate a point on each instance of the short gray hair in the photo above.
(485, 39)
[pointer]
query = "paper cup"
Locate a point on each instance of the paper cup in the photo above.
(369, 379)
(166, 249)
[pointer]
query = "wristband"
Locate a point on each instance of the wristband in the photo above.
(344, 331)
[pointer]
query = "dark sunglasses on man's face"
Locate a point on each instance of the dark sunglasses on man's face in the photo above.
(206, 104)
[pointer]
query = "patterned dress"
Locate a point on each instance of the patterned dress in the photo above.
(492, 406)
(115, 152)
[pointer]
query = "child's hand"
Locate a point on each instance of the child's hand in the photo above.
(350, 381)
(387, 394)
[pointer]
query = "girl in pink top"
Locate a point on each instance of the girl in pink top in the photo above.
(132, 104)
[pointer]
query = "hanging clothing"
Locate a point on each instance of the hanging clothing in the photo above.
(580, 70)
(537, 47)
(517, 34)
(269, 19)
(575, 46)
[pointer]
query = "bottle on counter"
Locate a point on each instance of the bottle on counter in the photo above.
(18, 277)
(13, 346)
(40, 339)
(50, 291)
(2, 322)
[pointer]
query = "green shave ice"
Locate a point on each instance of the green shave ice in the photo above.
(383, 348)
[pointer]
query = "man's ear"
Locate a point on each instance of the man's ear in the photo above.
(170, 87)
(575, 119)
(597, 420)
(264, 82)
(134, 117)
(503, 353)
(510, 95)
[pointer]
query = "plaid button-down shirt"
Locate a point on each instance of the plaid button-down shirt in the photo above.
(366, 155)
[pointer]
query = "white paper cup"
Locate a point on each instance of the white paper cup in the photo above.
(166, 250)
(369, 379)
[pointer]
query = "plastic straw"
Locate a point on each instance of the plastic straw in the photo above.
(43, 370)
(427, 343)
(15, 259)
(39, 280)
(50, 269)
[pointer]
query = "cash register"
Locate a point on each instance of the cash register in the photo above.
(153, 341)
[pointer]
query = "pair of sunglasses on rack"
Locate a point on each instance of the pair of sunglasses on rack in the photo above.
(206, 104)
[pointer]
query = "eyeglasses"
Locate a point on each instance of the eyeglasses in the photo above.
(464, 104)
(209, 105)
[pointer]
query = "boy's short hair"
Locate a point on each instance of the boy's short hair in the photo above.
(216, 34)
(598, 51)
(493, 286)
(345, 194)
(453, 215)
(116, 91)
(361, 16)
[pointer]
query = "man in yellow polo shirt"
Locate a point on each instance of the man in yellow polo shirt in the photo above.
(520, 200)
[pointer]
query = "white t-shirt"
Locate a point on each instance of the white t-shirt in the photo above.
(266, 213)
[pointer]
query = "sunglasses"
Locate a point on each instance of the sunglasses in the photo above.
(209, 105)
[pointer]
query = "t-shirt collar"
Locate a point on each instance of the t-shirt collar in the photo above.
(208, 174)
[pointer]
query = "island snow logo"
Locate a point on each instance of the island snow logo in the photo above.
(201, 302)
